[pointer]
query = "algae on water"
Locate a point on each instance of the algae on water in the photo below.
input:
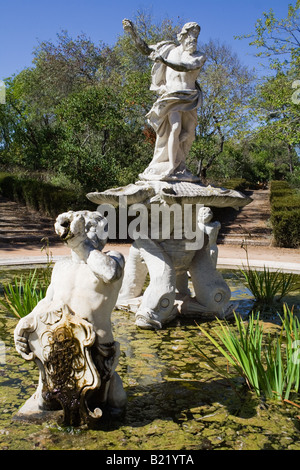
(175, 401)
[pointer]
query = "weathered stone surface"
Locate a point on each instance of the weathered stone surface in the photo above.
(171, 258)
(177, 192)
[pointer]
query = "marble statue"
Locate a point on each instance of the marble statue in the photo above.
(69, 332)
(205, 216)
(174, 114)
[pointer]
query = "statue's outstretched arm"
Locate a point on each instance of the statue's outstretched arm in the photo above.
(181, 66)
(139, 42)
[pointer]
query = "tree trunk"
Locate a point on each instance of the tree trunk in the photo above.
(290, 154)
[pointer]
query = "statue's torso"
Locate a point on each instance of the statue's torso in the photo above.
(75, 285)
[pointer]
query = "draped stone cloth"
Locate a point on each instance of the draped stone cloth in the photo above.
(183, 101)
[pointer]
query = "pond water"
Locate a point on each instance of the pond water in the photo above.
(175, 401)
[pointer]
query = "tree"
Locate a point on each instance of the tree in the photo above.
(279, 115)
(66, 66)
(80, 109)
(57, 70)
(275, 103)
(96, 144)
(278, 39)
(227, 87)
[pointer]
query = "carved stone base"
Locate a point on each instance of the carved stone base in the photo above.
(168, 259)
(77, 379)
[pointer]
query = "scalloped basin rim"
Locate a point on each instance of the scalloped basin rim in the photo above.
(171, 192)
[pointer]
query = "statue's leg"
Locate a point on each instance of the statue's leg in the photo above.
(173, 142)
(135, 273)
(157, 306)
(187, 136)
(116, 397)
(111, 392)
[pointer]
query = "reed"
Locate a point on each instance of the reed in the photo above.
(23, 294)
(268, 286)
(269, 363)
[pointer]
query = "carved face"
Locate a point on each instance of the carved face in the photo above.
(189, 41)
(82, 225)
(70, 224)
(188, 37)
(205, 215)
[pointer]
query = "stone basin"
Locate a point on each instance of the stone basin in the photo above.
(175, 401)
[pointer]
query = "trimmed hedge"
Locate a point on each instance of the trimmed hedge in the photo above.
(43, 197)
(285, 214)
(238, 184)
(280, 189)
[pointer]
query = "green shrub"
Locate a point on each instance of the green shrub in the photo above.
(275, 185)
(43, 197)
(286, 228)
(238, 184)
(280, 189)
(287, 202)
(285, 214)
(281, 193)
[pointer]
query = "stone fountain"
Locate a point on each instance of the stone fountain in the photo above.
(177, 239)
(69, 333)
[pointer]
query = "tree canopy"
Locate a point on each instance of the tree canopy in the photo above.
(79, 111)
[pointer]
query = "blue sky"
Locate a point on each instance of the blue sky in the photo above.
(24, 23)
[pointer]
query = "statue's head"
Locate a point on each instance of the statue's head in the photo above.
(188, 36)
(205, 215)
(82, 226)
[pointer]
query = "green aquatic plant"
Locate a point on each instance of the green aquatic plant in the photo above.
(269, 363)
(23, 294)
(268, 286)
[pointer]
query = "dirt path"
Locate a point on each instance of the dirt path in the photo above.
(20, 225)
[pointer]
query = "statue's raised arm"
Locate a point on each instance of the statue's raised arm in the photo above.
(139, 42)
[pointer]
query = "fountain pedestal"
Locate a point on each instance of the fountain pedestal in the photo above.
(175, 243)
